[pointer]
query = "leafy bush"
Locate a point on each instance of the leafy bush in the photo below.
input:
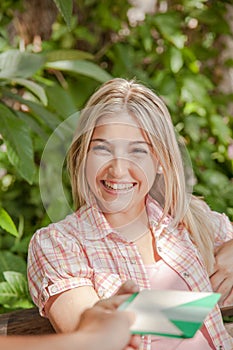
(175, 51)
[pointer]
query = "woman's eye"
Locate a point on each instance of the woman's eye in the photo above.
(139, 151)
(101, 148)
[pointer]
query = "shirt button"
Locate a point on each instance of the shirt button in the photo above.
(159, 249)
(101, 293)
(53, 289)
(133, 261)
(220, 347)
(185, 274)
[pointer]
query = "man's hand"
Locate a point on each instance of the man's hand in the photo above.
(123, 293)
(109, 326)
(222, 277)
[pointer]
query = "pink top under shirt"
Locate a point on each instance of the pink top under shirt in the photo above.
(162, 276)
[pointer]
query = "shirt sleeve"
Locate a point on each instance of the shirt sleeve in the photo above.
(223, 227)
(56, 263)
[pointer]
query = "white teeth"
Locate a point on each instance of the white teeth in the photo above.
(115, 186)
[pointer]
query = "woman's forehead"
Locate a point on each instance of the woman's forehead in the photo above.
(122, 126)
(121, 117)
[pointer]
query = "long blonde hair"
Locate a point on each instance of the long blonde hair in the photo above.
(153, 116)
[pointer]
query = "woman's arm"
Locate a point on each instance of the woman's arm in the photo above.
(64, 309)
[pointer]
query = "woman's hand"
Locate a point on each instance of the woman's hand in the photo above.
(222, 277)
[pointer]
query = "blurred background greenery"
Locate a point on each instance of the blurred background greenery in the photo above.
(54, 54)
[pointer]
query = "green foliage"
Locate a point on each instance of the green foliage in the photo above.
(86, 68)
(6, 223)
(14, 64)
(14, 291)
(176, 52)
(65, 7)
(17, 139)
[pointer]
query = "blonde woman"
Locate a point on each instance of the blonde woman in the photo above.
(136, 217)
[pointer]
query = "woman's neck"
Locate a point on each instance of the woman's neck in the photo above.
(131, 228)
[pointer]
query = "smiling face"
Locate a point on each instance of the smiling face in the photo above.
(120, 165)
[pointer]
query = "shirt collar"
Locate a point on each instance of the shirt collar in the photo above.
(94, 225)
(155, 214)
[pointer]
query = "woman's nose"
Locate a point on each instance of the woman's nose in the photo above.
(118, 167)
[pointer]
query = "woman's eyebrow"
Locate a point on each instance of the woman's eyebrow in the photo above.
(99, 140)
(136, 142)
(140, 142)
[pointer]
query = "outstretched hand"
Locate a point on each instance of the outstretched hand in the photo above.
(110, 325)
(222, 277)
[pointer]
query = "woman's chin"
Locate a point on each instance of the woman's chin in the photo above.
(115, 206)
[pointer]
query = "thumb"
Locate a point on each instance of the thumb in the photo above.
(128, 287)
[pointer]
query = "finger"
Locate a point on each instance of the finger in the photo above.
(128, 287)
(112, 303)
(216, 250)
(216, 279)
(229, 299)
(135, 341)
(224, 289)
(133, 346)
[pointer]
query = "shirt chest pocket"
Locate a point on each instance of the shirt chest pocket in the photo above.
(106, 284)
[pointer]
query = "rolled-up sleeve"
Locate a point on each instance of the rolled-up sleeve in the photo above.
(56, 263)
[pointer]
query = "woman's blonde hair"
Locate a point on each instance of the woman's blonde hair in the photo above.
(170, 188)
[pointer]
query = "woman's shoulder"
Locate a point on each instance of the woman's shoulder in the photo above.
(73, 226)
(63, 228)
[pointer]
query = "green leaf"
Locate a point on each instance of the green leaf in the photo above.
(194, 107)
(11, 262)
(7, 224)
(33, 124)
(220, 128)
(168, 24)
(6, 293)
(51, 120)
(61, 101)
(202, 189)
(36, 89)
(86, 68)
(66, 55)
(196, 88)
(18, 141)
(16, 64)
(176, 59)
(14, 292)
(192, 127)
(16, 281)
(215, 179)
(65, 7)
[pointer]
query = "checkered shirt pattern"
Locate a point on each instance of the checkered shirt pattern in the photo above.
(83, 250)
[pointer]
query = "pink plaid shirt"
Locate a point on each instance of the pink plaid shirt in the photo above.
(83, 250)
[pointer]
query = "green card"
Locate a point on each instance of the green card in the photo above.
(169, 313)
